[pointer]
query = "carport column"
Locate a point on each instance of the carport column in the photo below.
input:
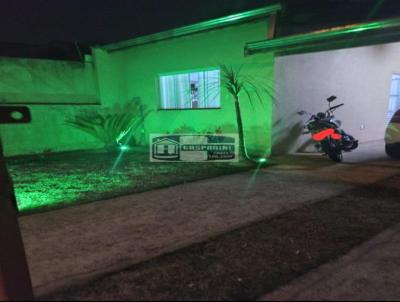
(15, 282)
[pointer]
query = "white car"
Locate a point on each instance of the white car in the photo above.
(392, 136)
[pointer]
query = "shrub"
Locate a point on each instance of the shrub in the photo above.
(112, 126)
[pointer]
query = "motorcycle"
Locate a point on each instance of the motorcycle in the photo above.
(325, 131)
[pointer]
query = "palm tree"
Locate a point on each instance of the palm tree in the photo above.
(237, 83)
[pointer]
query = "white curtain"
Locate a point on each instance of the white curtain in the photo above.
(210, 89)
(176, 92)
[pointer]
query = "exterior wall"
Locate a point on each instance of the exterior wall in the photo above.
(43, 81)
(47, 132)
(359, 77)
(120, 76)
(47, 81)
(142, 65)
(111, 77)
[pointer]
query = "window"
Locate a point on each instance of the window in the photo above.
(394, 98)
(190, 90)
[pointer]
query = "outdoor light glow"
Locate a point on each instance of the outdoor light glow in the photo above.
(38, 186)
(52, 189)
(260, 164)
(124, 148)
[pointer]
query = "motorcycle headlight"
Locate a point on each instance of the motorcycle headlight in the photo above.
(338, 123)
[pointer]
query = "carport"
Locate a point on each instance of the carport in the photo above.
(358, 63)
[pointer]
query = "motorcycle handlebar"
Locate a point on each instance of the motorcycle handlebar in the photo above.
(337, 106)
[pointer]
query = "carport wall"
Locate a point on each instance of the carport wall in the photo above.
(360, 77)
(140, 67)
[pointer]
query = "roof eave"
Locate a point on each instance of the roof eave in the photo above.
(194, 28)
(376, 32)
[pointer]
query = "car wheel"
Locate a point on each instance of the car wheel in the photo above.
(393, 151)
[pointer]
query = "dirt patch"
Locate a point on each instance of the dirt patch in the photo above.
(251, 261)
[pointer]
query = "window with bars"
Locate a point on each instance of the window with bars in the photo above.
(190, 90)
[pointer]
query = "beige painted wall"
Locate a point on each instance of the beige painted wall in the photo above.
(359, 77)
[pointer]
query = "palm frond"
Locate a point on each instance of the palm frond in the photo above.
(248, 95)
(109, 126)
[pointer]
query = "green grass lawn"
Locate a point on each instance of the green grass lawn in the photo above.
(57, 180)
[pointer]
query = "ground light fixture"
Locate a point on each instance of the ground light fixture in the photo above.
(123, 148)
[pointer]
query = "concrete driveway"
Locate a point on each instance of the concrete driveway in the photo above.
(71, 245)
(370, 272)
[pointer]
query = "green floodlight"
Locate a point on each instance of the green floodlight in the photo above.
(124, 148)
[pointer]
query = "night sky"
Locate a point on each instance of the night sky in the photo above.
(98, 22)
(94, 22)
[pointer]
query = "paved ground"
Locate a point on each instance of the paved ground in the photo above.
(370, 272)
(71, 245)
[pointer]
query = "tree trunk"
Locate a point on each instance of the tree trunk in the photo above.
(242, 151)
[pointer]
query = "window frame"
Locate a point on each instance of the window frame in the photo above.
(187, 71)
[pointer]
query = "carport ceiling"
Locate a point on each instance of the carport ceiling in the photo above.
(303, 16)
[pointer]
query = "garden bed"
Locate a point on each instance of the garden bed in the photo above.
(52, 181)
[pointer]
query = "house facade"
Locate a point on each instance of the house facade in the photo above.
(177, 76)
(174, 74)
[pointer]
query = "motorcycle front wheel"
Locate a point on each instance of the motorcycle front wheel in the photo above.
(336, 156)
(332, 151)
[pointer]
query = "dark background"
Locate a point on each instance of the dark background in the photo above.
(50, 27)
(104, 21)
